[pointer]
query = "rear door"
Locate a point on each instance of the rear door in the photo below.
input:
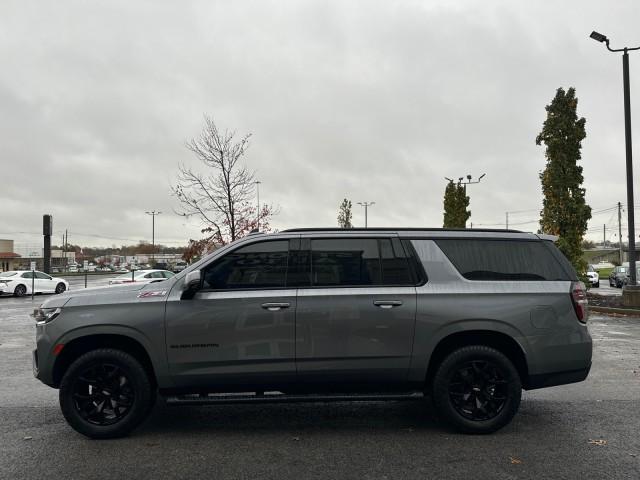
(239, 329)
(356, 313)
(29, 279)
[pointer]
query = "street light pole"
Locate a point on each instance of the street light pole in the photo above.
(470, 182)
(153, 214)
(366, 206)
(257, 183)
(629, 157)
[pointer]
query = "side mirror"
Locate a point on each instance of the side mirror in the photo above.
(191, 284)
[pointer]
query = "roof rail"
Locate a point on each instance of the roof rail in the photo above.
(402, 229)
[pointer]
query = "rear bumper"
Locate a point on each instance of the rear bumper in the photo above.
(557, 378)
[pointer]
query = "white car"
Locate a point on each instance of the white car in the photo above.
(142, 276)
(18, 283)
(594, 277)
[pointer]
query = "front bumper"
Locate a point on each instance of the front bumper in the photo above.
(34, 360)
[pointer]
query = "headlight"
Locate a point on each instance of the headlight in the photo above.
(45, 315)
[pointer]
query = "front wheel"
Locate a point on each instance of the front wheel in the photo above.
(597, 284)
(105, 393)
(477, 389)
(60, 288)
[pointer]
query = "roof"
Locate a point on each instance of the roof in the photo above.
(9, 255)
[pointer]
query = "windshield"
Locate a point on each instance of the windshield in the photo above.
(8, 274)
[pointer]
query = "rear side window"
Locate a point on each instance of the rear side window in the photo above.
(394, 263)
(480, 259)
(259, 265)
(342, 262)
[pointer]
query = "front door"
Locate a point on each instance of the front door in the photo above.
(239, 329)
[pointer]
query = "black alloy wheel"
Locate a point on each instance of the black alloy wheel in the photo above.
(103, 394)
(20, 291)
(476, 389)
(106, 393)
(60, 288)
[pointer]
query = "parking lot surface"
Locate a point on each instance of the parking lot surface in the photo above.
(585, 430)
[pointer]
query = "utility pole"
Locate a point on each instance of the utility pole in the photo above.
(604, 236)
(366, 206)
(47, 231)
(620, 231)
(507, 222)
(153, 214)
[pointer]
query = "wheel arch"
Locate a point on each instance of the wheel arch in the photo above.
(490, 338)
(83, 344)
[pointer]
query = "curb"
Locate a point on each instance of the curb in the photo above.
(619, 311)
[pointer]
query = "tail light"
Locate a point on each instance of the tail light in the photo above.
(580, 302)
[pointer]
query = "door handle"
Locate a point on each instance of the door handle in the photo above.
(387, 303)
(275, 306)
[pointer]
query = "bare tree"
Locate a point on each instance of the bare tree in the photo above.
(221, 198)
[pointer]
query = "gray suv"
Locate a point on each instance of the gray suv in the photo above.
(467, 317)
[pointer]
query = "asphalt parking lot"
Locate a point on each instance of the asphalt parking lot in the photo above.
(586, 430)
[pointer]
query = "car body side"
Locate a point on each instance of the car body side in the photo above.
(533, 322)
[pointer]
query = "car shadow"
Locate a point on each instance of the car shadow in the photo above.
(286, 417)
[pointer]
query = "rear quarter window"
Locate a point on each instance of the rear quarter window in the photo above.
(489, 259)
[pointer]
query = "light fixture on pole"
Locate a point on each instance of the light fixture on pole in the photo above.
(366, 206)
(153, 214)
(629, 157)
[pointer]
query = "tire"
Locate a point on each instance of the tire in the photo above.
(61, 288)
(106, 393)
(472, 375)
(20, 291)
(597, 284)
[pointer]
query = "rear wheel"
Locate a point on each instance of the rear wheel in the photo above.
(105, 393)
(477, 389)
(20, 291)
(60, 288)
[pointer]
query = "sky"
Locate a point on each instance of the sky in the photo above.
(375, 101)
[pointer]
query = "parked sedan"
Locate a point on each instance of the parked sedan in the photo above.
(19, 282)
(617, 276)
(142, 276)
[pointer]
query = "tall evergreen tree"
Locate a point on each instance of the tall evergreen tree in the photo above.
(456, 203)
(344, 214)
(565, 212)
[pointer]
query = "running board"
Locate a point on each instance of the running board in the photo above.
(277, 397)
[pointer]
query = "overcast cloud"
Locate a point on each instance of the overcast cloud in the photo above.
(374, 101)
